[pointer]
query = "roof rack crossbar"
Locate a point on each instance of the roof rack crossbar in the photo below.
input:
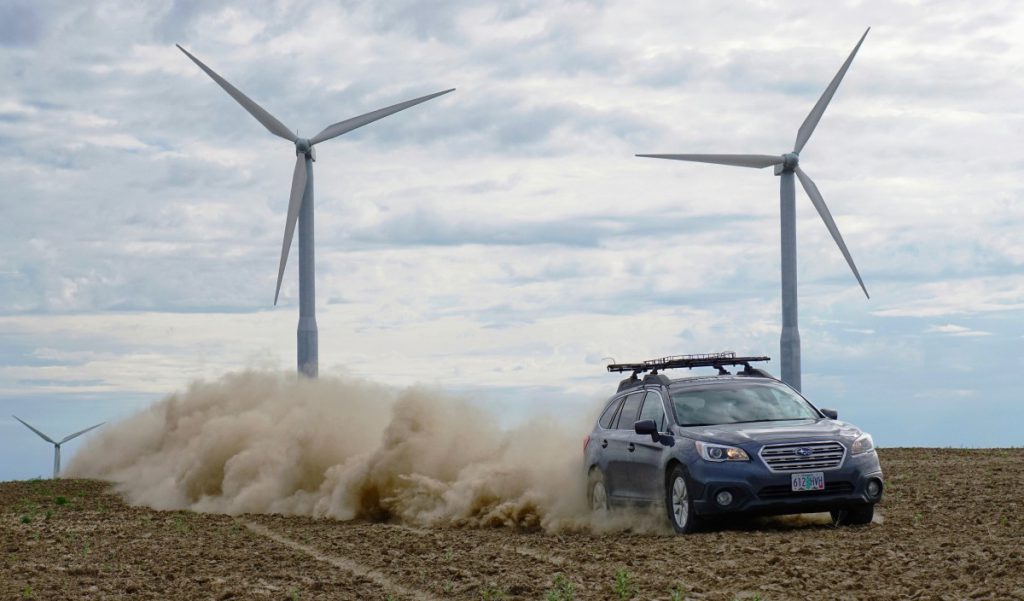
(716, 360)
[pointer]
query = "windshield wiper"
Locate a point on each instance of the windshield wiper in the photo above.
(752, 421)
(748, 421)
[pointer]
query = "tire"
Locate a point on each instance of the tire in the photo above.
(597, 493)
(858, 515)
(679, 502)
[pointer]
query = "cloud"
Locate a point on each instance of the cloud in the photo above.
(955, 330)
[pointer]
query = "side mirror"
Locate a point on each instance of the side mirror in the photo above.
(647, 426)
(830, 413)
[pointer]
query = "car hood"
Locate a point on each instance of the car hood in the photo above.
(805, 430)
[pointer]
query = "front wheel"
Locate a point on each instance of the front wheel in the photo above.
(853, 516)
(679, 503)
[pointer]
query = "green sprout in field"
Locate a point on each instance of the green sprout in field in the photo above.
(623, 586)
(492, 593)
(676, 594)
(561, 590)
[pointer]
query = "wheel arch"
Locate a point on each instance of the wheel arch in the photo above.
(672, 463)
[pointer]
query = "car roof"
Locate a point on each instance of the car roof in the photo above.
(719, 378)
(630, 385)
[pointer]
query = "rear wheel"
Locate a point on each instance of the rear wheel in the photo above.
(858, 515)
(679, 503)
(597, 493)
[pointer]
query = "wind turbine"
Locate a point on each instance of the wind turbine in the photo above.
(300, 203)
(56, 445)
(785, 166)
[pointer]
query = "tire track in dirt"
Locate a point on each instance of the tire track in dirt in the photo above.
(525, 551)
(351, 566)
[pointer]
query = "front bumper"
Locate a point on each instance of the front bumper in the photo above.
(757, 490)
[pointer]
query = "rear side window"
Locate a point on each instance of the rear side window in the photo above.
(653, 409)
(609, 414)
(627, 417)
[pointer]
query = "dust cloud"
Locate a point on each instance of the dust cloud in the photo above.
(261, 442)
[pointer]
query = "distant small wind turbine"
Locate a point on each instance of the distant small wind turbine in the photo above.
(786, 166)
(300, 203)
(56, 445)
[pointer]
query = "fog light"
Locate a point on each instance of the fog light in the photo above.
(874, 489)
(723, 498)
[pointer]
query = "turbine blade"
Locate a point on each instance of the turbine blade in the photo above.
(814, 116)
(269, 121)
(41, 435)
(341, 127)
(757, 161)
(294, 204)
(826, 216)
(79, 433)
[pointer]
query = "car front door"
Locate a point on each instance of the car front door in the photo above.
(617, 442)
(646, 479)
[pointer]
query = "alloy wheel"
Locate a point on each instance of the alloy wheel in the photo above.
(680, 502)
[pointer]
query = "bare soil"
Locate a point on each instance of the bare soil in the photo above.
(951, 526)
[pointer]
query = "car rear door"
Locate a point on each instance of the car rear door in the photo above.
(646, 479)
(617, 442)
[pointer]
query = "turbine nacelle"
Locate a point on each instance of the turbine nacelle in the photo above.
(790, 160)
(303, 147)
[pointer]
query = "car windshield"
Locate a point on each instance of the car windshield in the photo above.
(738, 402)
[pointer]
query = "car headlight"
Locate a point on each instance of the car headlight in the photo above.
(863, 444)
(720, 452)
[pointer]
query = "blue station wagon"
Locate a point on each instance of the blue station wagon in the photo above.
(743, 443)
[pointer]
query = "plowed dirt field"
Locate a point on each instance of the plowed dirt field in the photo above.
(950, 527)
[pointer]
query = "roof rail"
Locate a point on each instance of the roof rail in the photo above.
(716, 360)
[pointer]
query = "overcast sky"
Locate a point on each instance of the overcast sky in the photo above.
(502, 240)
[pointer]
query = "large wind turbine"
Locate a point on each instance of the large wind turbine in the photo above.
(785, 166)
(56, 445)
(300, 203)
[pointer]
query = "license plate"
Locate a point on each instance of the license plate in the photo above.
(808, 481)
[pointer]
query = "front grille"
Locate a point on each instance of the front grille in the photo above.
(803, 456)
(784, 491)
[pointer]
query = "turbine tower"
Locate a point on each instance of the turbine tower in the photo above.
(786, 166)
(56, 445)
(300, 204)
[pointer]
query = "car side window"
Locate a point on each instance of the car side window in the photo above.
(653, 409)
(608, 417)
(627, 417)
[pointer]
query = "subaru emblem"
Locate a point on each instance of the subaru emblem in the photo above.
(804, 452)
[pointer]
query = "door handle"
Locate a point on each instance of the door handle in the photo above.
(604, 444)
(632, 447)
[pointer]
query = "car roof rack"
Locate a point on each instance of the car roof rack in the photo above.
(716, 360)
